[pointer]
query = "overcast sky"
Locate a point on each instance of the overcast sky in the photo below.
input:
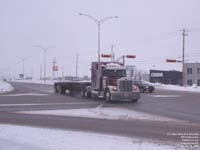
(149, 29)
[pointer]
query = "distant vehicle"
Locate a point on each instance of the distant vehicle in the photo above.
(144, 86)
(108, 81)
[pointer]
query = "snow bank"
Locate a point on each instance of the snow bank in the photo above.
(103, 113)
(5, 87)
(170, 87)
(30, 138)
(177, 88)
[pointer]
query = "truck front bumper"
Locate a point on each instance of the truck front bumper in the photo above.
(125, 95)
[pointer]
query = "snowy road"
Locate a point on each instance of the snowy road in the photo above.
(153, 117)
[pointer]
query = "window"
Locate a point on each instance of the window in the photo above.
(114, 73)
(189, 82)
(198, 70)
(198, 82)
(189, 70)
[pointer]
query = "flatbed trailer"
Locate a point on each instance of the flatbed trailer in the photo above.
(108, 81)
(71, 87)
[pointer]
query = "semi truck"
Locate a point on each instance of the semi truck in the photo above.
(108, 81)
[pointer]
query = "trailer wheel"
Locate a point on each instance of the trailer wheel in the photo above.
(55, 89)
(107, 95)
(61, 90)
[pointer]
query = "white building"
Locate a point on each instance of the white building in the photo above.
(191, 73)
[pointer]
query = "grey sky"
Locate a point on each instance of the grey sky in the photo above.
(149, 29)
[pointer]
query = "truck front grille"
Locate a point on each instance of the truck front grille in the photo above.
(125, 86)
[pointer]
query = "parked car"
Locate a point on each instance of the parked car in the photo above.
(144, 86)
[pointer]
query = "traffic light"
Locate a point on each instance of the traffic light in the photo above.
(106, 55)
(130, 56)
(171, 60)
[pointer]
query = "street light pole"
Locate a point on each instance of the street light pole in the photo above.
(22, 59)
(99, 42)
(44, 49)
(184, 34)
(99, 22)
(45, 65)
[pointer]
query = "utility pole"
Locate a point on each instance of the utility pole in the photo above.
(184, 34)
(53, 68)
(45, 50)
(112, 53)
(62, 72)
(40, 72)
(22, 59)
(76, 66)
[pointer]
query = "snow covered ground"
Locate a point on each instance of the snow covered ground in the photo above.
(193, 88)
(5, 87)
(104, 113)
(32, 138)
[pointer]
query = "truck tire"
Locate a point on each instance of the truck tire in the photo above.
(89, 94)
(61, 90)
(82, 92)
(107, 95)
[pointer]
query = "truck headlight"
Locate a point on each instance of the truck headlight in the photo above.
(114, 88)
(135, 88)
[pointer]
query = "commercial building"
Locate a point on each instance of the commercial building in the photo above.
(191, 74)
(166, 77)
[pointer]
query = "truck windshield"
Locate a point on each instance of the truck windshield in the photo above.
(114, 73)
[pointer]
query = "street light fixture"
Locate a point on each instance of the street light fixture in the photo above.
(44, 49)
(98, 22)
(125, 56)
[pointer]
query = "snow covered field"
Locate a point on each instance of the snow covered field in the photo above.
(5, 87)
(32, 138)
(104, 113)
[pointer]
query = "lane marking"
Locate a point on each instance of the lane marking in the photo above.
(165, 96)
(42, 104)
(48, 91)
(26, 94)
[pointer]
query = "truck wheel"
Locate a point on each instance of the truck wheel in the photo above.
(61, 90)
(89, 94)
(82, 92)
(107, 95)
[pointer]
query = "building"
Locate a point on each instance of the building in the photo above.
(166, 77)
(191, 74)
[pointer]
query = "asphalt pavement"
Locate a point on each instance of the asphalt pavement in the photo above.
(29, 96)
